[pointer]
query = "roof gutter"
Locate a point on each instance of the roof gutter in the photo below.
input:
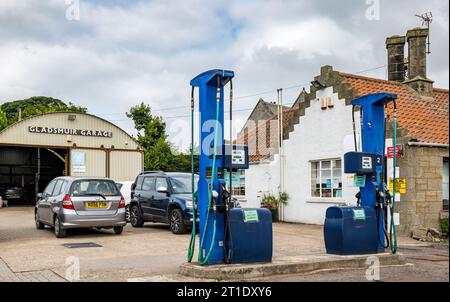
(435, 145)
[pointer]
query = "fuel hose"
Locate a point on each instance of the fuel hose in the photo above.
(193, 194)
(205, 260)
(393, 231)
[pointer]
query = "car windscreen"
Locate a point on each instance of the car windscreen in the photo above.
(93, 187)
(183, 184)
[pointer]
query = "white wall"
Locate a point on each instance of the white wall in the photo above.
(321, 134)
(261, 179)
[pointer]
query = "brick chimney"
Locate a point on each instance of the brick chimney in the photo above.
(417, 61)
(396, 58)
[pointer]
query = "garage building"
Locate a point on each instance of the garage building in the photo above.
(37, 149)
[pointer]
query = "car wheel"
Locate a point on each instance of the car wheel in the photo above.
(39, 225)
(136, 217)
(118, 230)
(127, 213)
(176, 222)
(59, 231)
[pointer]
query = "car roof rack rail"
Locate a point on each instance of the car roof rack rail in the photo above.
(151, 172)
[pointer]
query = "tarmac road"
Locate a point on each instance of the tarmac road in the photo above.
(426, 264)
(153, 253)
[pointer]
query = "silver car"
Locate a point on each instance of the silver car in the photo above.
(80, 202)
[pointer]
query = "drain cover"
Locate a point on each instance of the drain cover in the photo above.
(81, 245)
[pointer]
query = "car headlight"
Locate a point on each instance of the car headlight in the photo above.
(189, 204)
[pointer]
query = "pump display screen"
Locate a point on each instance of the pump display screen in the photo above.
(238, 157)
(220, 173)
(367, 162)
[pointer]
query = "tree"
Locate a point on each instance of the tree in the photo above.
(159, 154)
(159, 157)
(3, 120)
(36, 105)
(150, 129)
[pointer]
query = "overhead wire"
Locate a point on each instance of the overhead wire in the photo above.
(248, 96)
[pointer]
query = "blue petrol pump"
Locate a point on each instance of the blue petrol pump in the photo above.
(211, 106)
(226, 234)
(363, 230)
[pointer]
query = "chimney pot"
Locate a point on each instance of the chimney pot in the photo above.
(417, 52)
(417, 61)
(396, 56)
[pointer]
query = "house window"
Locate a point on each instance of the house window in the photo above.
(445, 183)
(326, 178)
(238, 187)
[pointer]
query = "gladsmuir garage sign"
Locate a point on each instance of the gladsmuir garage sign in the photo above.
(68, 131)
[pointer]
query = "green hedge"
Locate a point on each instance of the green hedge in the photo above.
(444, 226)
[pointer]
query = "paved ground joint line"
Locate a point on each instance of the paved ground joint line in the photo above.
(7, 275)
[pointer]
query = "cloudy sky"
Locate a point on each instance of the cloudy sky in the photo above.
(115, 54)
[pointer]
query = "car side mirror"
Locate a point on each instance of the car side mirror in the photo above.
(133, 186)
(39, 195)
(162, 190)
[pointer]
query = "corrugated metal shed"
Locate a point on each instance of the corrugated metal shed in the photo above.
(108, 150)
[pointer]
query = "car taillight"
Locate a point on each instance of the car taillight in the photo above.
(67, 203)
(122, 202)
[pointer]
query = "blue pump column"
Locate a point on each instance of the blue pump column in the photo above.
(373, 141)
(208, 84)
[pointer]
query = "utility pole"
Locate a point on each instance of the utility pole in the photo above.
(282, 150)
(280, 146)
(38, 172)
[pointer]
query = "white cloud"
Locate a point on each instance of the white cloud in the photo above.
(119, 55)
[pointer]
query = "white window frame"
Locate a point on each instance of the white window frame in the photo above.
(233, 188)
(320, 161)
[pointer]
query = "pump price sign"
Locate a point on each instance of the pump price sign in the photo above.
(359, 214)
(251, 216)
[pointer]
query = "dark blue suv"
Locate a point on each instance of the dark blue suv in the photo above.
(163, 197)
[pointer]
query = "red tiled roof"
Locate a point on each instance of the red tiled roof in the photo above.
(425, 118)
(260, 140)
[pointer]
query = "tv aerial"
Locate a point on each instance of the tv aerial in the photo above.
(427, 19)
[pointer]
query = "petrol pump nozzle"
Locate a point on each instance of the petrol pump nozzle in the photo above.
(358, 199)
(379, 195)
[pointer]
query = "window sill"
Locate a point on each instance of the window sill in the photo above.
(337, 201)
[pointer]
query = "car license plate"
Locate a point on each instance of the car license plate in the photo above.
(14, 197)
(96, 205)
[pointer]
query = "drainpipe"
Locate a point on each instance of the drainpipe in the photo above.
(279, 145)
(282, 150)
